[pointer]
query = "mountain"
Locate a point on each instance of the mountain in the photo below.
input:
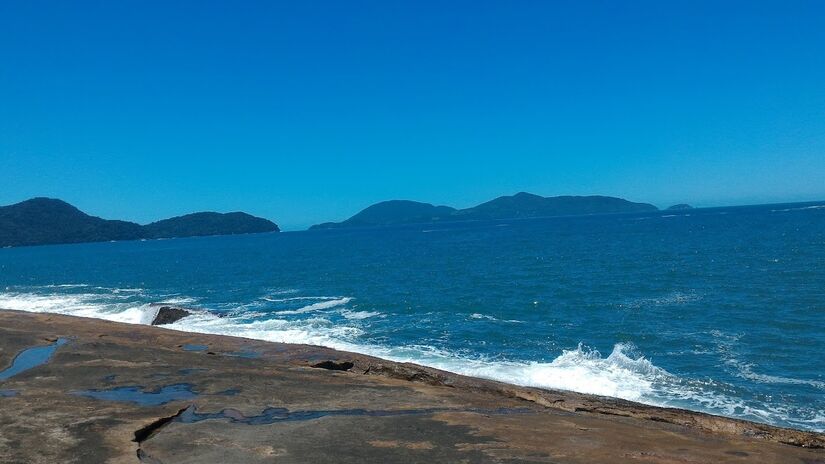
(44, 221)
(679, 207)
(527, 205)
(197, 224)
(392, 212)
(520, 205)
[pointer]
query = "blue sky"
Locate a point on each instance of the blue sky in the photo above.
(305, 112)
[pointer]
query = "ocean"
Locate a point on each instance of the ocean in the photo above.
(720, 310)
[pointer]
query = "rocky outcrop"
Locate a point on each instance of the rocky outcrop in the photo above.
(169, 315)
(396, 413)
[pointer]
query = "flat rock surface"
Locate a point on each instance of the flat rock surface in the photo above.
(128, 393)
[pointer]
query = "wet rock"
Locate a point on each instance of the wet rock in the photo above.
(408, 372)
(169, 315)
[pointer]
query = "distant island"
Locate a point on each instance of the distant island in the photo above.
(200, 224)
(520, 205)
(392, 212)
(43, 221)
(679, 207)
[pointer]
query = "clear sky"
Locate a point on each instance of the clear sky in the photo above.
(307, 111)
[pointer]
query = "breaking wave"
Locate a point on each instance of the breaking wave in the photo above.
(332, 322)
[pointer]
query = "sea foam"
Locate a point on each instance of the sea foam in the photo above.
(622, 374)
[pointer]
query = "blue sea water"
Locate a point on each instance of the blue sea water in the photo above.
(719, 310)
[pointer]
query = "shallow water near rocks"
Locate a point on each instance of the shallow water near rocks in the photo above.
(142, 396)
(30, 358)
(190, 347)
(273, 415)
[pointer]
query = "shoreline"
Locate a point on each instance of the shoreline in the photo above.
(103, 355)
(150, 314)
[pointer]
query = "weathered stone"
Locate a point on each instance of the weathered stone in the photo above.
(169, 315)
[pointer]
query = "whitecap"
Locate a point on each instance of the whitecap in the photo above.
(358, 315)
(83, 305)
(622, 374)
(801, 208)
(316, 306)
(299, 298)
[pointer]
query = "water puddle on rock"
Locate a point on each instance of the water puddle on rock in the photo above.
(142, 396)
(30, 358)
(191, 347)
(248, 354)
(272, 415)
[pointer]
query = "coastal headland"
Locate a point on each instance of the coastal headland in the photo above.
(87, 391)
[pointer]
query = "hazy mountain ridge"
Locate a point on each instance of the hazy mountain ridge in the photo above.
(44, 221)
(520, 205)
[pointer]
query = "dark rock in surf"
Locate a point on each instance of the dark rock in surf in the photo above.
(169, 315)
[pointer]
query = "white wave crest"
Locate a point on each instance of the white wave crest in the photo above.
(479, 316)
(83, 305)
(801, 208)
(299, 298)
(316, 306)
(358, 315)
(582, 370)
(314, 331)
